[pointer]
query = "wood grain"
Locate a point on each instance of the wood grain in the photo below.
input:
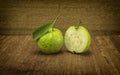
(19, 55)
(23, 16)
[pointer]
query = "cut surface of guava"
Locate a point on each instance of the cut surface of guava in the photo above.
(77, 40)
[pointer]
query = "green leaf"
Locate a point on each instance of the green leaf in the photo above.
(41, 31)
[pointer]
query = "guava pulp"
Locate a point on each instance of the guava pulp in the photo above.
(77, 40)
(51, 42)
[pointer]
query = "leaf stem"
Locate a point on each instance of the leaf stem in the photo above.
(77, 26)
(80, 22)
(55, 20)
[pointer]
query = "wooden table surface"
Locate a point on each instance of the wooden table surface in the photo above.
(19, 55)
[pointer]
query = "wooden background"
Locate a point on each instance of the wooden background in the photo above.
(19, 54)
(23, 16)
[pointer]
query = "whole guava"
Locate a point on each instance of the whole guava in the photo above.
(51, 42)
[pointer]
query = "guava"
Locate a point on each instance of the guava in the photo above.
(51, 42)
(49, 39)
(77, 39)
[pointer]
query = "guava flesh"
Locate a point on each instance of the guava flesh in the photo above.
(51, 42)
(77, 40)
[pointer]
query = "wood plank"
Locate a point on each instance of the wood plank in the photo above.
(22, 17)
(105, 55)
(20, 55)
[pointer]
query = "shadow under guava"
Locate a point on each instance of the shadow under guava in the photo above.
(38, 52)
(88, 53)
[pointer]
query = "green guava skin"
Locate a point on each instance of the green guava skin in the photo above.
(77, 40)
(51, 42)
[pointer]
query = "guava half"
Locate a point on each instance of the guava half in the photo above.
(77, 39)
